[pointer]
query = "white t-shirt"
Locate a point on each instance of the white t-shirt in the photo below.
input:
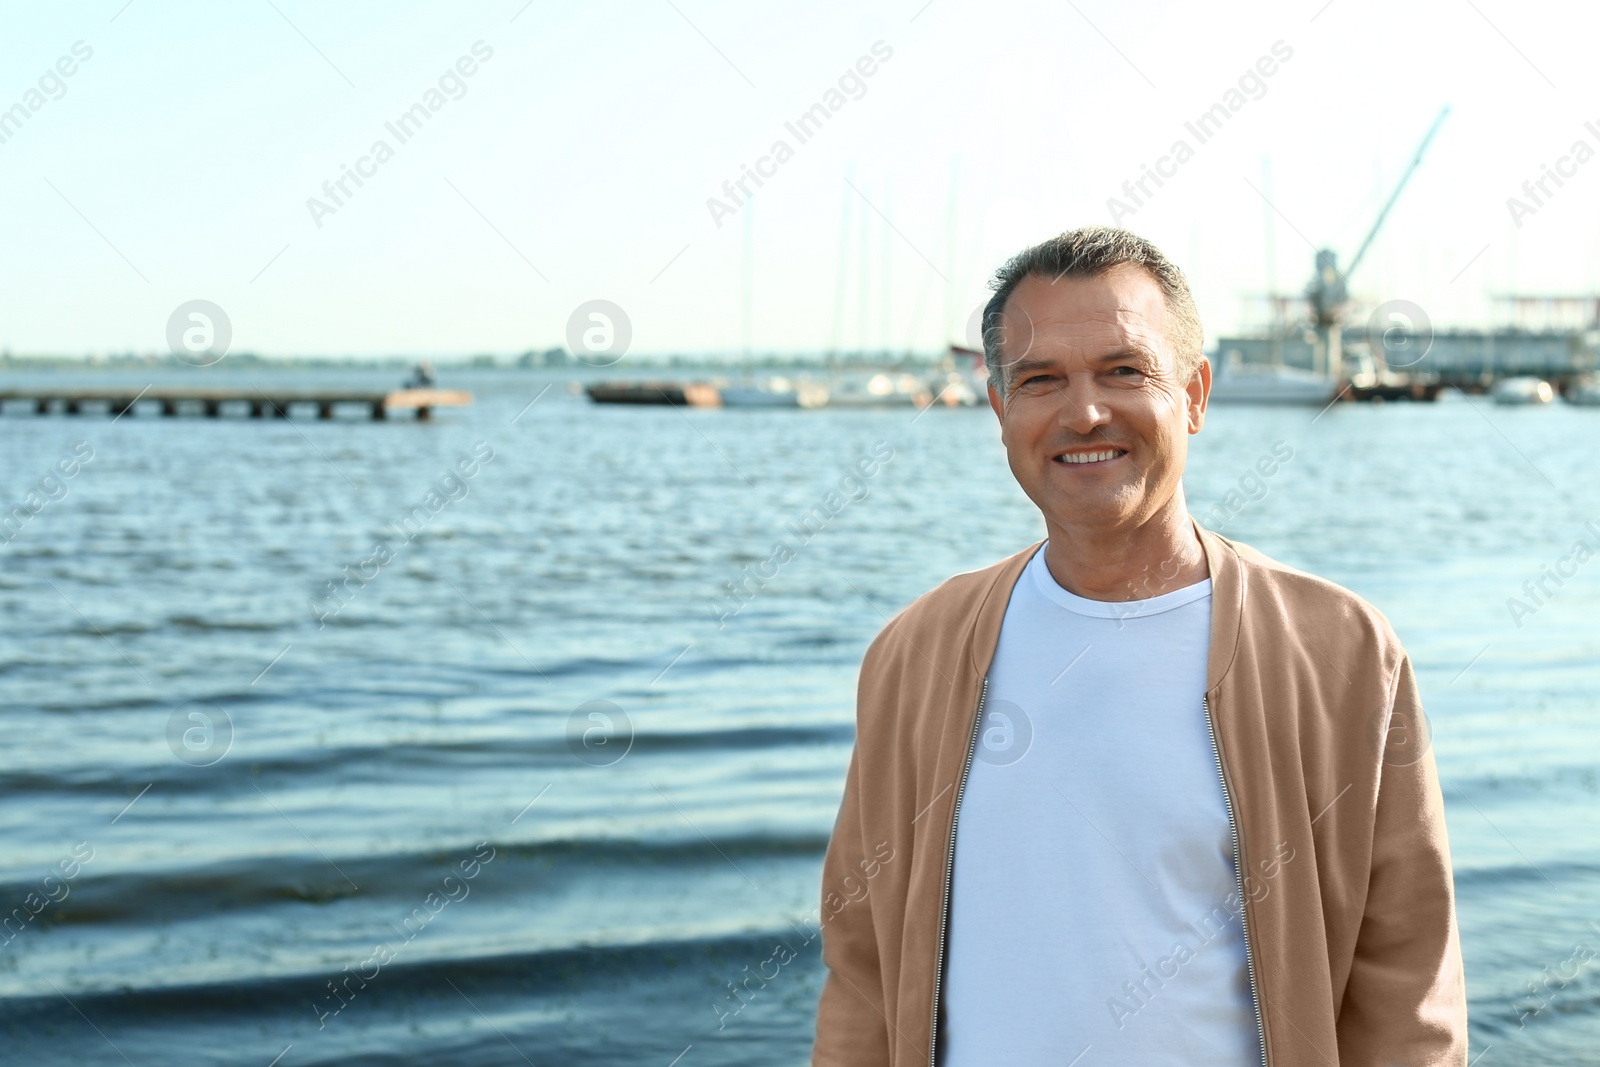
(1094, 911)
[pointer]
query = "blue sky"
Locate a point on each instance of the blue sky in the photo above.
(578, 160)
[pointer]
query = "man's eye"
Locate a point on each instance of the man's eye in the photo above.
(1125, 367)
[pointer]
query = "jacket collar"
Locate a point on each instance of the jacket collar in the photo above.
(1227, 604)
(1228, 588)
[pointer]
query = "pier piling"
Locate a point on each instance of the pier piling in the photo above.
(174, 401)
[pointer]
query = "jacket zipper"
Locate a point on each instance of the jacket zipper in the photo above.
(1238, 870)
(949, 870)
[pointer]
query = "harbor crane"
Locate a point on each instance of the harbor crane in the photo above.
(1328, 293)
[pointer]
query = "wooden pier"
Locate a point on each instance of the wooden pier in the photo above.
(258, 403)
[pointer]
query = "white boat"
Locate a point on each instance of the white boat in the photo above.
(1522, 390)
(953, 390)
(880, 391)
(1269, 383)
(774, 393)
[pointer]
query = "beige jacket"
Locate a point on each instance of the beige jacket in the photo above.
(1349, 908)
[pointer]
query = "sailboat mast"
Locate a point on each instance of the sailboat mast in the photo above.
(747, 302)
(864, 235)
(888, 260)
(842, 269)
(950, 253)
(1275, 327)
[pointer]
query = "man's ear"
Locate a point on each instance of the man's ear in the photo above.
(1199, 393)
(996, 404)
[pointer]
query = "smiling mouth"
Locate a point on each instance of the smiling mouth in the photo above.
(1089, 459)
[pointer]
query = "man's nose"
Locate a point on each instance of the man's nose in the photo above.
(1083, 410)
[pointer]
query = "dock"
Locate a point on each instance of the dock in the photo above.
(211, 402)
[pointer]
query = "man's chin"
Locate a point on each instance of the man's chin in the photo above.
(1085, 511)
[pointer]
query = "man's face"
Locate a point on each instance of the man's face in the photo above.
(1095, 422)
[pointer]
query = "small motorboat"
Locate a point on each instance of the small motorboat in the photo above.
(1269, 383)
(880, 391)
(1523, 389)
(1585, 392)
(774, 393)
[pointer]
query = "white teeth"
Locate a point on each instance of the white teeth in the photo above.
(1089, 457)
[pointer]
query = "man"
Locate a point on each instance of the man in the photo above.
(1147, 796)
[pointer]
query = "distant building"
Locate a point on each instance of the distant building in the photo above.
(550, 357)
(1452, 353)
(1547, 336)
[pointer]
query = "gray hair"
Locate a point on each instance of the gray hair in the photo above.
(1087, 252)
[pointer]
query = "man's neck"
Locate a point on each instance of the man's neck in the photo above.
(1128, 563)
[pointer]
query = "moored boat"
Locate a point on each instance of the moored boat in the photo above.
(1585, 392)
(1521, 390)
(678, 394)
(1269, 383)
(774, 393)
(880, 391)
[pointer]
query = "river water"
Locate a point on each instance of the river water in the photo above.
(521, 786)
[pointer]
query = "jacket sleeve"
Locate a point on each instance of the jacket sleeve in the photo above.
(852, 1030)
(1405, 1001)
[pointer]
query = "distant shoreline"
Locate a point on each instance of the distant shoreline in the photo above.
(553, 359)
